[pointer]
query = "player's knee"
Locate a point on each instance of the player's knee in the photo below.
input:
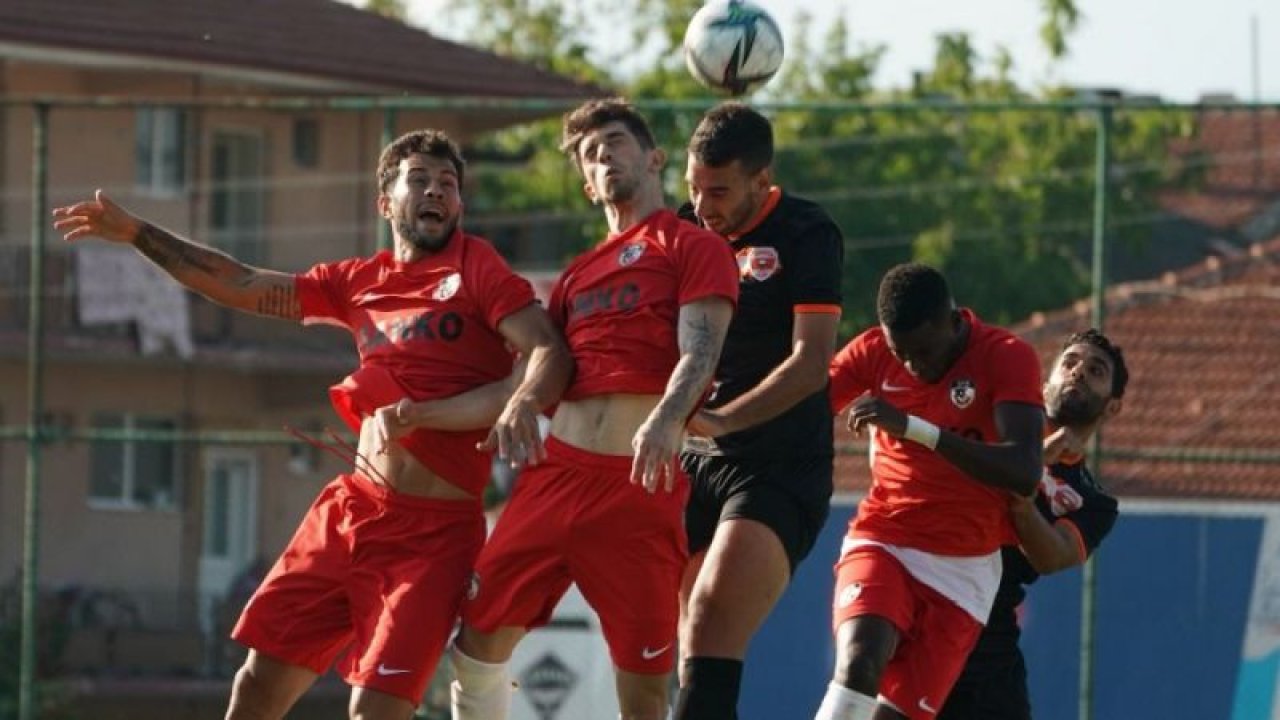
(252, 696)
(859, 666)
(706, 604)
(643, 697)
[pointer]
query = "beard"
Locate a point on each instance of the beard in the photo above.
(1073, 409)
(430, 242)
(621, 189)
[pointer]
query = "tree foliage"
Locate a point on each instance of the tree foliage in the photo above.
(1001, 201)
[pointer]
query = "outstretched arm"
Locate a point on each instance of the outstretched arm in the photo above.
(804, 372)
(702, 326)
(210, 272)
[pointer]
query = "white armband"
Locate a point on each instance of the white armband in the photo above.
(922, 431)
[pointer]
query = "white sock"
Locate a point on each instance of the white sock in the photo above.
(841, 703)
(480, 690)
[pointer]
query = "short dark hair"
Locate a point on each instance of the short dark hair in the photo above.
(595, 114)
(1119, 370)
(418, 142)
(733, 131)
(911, 295)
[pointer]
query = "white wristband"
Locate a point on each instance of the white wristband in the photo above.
(922, 431)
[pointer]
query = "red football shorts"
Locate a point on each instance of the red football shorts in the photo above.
(576, 518)
(935, 635)
(376, 572)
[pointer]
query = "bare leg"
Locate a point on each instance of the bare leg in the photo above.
(265, 689)
(369, 704)
(741, 577)
(642, 697)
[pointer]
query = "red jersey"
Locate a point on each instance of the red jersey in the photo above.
(619, 302)
(424, 330)
(917, 498)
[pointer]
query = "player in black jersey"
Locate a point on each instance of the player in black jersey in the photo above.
(760, 451)
(1068, 518)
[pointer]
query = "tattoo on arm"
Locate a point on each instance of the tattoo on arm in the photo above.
(700, 340)
(279, 301)
(218, 276)
(178, 257)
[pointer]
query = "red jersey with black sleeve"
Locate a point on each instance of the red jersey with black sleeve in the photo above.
(424, 330)
(619, 302)
(917, 498)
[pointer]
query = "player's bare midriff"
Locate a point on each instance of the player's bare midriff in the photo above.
(401, 470)
(602, 424)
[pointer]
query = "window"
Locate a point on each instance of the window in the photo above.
(161, 150)
(306, 142)
(133, 473)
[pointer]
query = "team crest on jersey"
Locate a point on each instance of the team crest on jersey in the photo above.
(447, 287)
(963, 392)
(1062, 497)
(630, 254)
(848, 594)
(758, 263)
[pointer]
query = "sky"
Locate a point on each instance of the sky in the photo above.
(1178, 49)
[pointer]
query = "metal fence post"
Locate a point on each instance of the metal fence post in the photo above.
(27, 700)
(1088, 589)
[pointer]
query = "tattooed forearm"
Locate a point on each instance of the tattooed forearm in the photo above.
(218, 276)
(701, 335)
(178, 257)
(279, 301)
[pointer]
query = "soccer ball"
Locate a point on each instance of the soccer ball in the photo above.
(732, 46)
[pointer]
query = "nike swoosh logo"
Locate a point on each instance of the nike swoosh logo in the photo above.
(924, 705)
(648, 654)
(383, 670)
(888, 387)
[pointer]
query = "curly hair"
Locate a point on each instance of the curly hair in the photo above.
(433, 143)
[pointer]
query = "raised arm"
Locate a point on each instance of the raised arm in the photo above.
(804, 372)
(210, 272)
(701, 328)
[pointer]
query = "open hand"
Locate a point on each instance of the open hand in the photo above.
(99, 217)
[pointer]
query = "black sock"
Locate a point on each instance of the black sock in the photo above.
(712, 692)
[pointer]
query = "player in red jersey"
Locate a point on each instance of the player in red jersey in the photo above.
(645, 313)
(953, 408)
(380, 563)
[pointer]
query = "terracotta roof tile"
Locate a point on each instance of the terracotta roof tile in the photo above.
(1240, 156)
(314, 38)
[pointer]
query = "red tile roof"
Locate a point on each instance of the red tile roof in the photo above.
(1239, 154)
(1203, 347)
(315, 39)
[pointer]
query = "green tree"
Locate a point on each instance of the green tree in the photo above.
(1002, 201)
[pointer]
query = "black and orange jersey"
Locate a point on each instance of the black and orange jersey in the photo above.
(1068, 496)
(790, 259)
